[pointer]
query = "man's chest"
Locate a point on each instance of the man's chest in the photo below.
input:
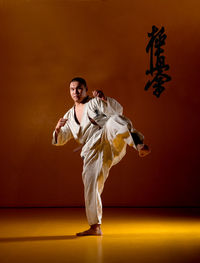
(78, 112)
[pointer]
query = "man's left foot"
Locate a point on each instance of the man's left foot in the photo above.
(143, 150)
(93, 231)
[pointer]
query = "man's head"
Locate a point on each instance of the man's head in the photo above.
(78, 89)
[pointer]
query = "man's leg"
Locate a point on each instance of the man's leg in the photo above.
(94, 175)
(97, 162)
(120, 131)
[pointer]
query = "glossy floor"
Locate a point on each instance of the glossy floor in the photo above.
(129, 235)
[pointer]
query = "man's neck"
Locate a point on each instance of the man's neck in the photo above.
(82, 102)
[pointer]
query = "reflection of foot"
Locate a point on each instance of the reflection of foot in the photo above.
(143, 150)
(91, 232)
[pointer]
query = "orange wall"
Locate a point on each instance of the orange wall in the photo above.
(46, 43)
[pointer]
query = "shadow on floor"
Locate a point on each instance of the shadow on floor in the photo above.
(36, 238)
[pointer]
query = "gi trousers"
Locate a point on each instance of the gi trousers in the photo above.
(109, 150)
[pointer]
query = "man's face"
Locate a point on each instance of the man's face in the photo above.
(77, 91)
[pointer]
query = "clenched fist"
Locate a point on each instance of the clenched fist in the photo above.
(60, 124)
(99, 94)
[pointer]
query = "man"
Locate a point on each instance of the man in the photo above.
(98, 124)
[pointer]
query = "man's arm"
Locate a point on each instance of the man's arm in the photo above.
(62, 133)
(107, 105)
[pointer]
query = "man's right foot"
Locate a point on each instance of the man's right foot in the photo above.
(143, 150)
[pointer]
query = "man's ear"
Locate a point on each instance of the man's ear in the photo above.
(86, 88)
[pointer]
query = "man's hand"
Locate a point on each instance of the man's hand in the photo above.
(60, 124)
(99, 94)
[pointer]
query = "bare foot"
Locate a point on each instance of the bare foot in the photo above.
(143, 150)
(94, 230)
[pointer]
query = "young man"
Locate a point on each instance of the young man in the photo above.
(99, 125)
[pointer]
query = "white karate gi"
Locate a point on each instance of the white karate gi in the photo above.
(104, 145)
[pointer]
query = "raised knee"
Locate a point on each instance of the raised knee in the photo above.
(119, 120)
(116, 116)
(113, 119)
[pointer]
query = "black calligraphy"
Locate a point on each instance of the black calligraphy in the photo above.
(158, 68)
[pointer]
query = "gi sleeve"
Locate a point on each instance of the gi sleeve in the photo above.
(109, 107)
(63, 136)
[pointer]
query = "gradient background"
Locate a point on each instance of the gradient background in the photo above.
(44, 44)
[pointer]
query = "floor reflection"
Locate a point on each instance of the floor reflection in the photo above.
(129, 235)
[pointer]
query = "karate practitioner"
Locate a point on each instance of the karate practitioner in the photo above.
(99, 125)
